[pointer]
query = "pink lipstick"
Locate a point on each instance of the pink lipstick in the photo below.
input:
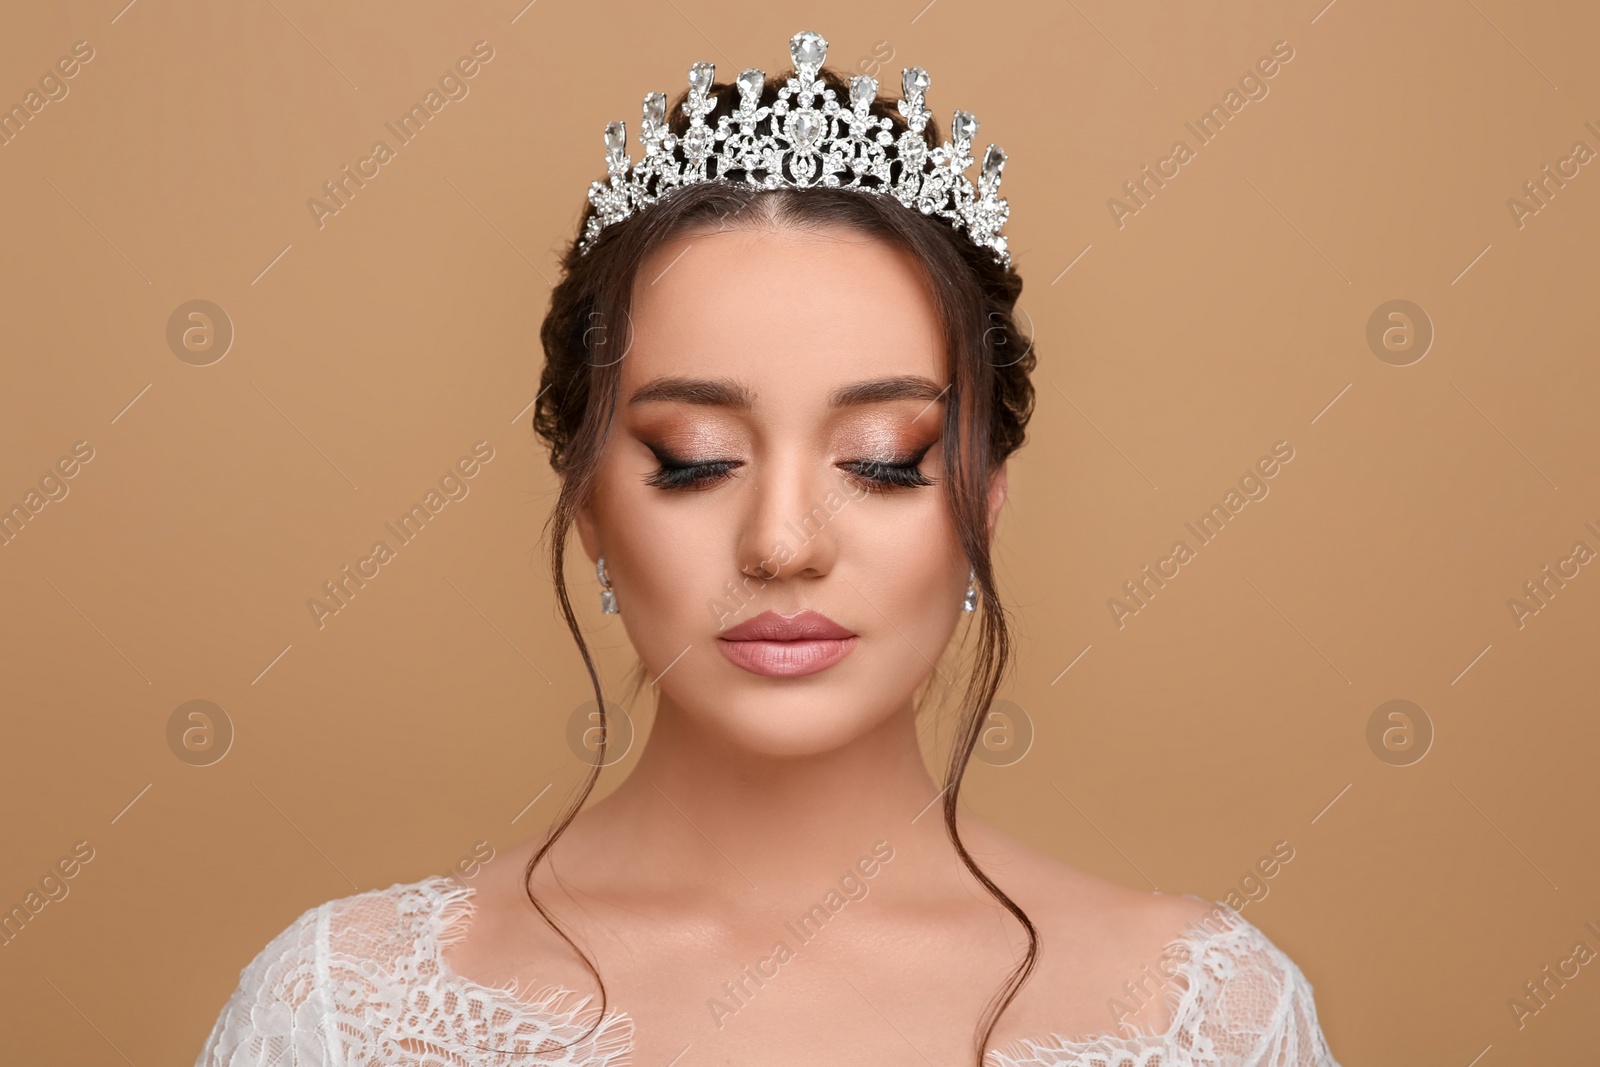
(786, 646)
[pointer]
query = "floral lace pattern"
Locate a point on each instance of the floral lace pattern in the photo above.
(361, 982)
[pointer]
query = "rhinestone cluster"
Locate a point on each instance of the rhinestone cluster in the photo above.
(813, 140)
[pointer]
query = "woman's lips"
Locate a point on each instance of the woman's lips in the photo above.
(787, 645)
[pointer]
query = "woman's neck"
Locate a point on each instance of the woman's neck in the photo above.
(708, 818)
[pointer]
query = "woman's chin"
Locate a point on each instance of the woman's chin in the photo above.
(787, 728)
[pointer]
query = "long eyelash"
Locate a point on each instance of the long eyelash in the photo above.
(878, 476)
(675, 473)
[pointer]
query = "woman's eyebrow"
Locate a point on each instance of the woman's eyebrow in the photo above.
(712, 392)
(725, 392)
(877, 390)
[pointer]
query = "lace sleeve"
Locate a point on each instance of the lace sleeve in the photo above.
(1257, 1010)
(276, 1015)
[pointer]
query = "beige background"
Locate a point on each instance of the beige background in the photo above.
(1228, 314)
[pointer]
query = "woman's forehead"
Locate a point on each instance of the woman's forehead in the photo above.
(787, 312)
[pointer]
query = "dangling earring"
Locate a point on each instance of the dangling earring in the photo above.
(970, 601)
(608, 599)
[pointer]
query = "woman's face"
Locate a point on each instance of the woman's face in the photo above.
(778, 449)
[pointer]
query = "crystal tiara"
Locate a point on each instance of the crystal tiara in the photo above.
(813, 140)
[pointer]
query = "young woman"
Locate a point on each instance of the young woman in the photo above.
(782, 380)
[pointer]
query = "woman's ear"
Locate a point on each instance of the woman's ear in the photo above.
(997, 496)
(587, 536)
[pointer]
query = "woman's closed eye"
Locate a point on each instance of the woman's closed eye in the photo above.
(874, 475)
(878, 476)
(676, 473)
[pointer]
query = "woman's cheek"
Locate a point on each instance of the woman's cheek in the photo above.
(913, 554)
(676, 565)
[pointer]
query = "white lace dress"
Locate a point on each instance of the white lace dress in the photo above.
(361, 982)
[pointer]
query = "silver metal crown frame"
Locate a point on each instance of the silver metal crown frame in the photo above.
(813, 140)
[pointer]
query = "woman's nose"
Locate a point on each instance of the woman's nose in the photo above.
(789, 528)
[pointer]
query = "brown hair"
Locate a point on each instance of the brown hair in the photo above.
(585, 336)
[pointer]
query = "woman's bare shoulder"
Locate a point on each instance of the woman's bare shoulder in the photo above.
(1061, 891)
(505, 936)
(1102, 942)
